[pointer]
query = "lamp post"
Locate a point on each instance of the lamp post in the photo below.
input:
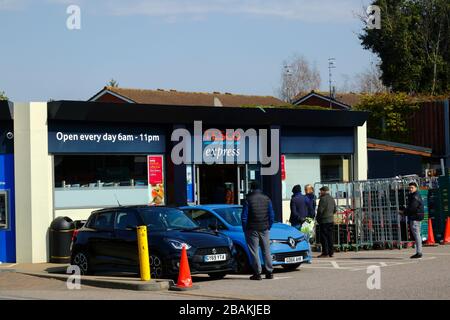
(331, 66)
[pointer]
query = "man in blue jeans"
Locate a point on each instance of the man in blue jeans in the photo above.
(415, 213)
(257, 219)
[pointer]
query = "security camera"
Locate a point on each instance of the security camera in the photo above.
(9, 135)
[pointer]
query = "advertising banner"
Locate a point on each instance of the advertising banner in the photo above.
(155, 167)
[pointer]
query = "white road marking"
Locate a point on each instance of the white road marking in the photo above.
(362, 265)
(281, 278)
(237, 276)
(334, 264)
(397, 263)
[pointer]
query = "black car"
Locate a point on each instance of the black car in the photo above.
(108, 242)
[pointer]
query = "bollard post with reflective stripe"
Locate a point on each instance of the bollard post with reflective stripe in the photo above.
(144, 264)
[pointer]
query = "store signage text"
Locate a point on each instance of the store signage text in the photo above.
(214, 146)
(99, 138)
(107, 137)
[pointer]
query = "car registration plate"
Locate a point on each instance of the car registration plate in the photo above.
(293, 259)
(215, 257)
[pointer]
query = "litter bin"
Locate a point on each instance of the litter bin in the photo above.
(61, 231)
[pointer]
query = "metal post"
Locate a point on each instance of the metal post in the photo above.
(144, 263)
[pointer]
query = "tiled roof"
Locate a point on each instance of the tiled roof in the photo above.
(348, 98)
(173, 97)
(398, 147)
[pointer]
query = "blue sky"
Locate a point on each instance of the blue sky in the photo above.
(233, 46)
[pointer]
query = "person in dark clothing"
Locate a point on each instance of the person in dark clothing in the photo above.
(300, 207)
(325, 219)
(309, 193)
(257, 219)
(219, 194)
(415, 214)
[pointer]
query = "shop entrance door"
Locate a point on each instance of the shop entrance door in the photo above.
(223, 183)
(217, 183)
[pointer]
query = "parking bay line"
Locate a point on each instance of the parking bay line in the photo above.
(362, 265)
(395, 264)
(236, 276)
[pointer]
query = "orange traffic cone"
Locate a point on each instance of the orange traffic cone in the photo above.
(446, 239)
(430, 240)
(184, 275)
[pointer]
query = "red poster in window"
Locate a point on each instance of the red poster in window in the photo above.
(155, 170)
(283, 167)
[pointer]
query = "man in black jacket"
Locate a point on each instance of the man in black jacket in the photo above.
(415, 213)
(257, 219)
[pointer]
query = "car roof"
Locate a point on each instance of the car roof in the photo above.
(134, 207)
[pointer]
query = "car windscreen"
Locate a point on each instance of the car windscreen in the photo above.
(231, 215)
(161, 219)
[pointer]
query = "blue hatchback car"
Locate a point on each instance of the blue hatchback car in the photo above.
(289, 247)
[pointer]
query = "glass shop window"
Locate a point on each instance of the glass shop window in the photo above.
(99, 181)
(335, 168)
(3, 210)
(81, 171)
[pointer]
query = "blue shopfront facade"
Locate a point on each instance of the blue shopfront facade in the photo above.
(7, 205)
(81, 130)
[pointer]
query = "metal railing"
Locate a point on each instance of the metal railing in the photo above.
(367, 214)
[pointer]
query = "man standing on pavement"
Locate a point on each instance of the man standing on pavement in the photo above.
(325, 219)
(300, 207)
(415, 213)
(257, 219)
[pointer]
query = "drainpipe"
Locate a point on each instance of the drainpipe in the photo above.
(447, 133)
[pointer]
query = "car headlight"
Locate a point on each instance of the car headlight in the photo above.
(178, 245)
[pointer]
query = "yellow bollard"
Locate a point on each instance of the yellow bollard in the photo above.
(144, 264)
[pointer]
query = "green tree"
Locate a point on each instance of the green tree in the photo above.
(3, 96)
(113, 83)
(413, 45)
(388, 117)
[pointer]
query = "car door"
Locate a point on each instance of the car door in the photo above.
(102, 240)
(125, 242)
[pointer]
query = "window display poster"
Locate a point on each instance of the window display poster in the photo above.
(155, 165)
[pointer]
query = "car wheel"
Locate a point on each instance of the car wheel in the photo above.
(81, 260)
(156, 267)
(217, 275)
(291, 266)
(243, 266)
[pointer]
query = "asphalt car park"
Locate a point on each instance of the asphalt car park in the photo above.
(343, 277)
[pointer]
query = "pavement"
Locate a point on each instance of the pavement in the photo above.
(382, 274)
